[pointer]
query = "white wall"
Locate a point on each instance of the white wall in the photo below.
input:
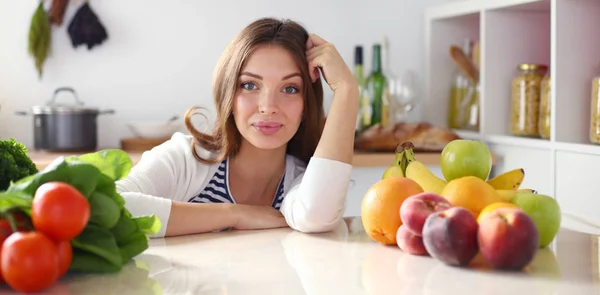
(160, 54)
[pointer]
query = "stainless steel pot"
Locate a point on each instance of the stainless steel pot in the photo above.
(65, 128)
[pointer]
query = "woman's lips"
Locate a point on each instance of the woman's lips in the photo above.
(267, 128)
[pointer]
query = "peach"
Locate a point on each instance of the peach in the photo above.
(409, 242)
(415, 210)
(451, 236)
(508, 238)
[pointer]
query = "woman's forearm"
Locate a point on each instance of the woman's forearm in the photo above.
(193, 218)
(337, 140)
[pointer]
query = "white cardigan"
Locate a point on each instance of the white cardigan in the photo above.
(315, 195)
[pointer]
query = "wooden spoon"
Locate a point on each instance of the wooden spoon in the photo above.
(464, 63)
(476, 54)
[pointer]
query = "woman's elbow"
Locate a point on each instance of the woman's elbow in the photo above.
(316, 224)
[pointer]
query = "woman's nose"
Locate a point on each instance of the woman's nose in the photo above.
(267, 103)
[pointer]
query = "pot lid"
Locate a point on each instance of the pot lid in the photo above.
(52, 107)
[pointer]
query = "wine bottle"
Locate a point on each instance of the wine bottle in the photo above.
(364, 112)
(377, 88)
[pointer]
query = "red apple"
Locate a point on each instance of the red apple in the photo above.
(508, 238)
(451, 236)
(409, 242)
(415, 210)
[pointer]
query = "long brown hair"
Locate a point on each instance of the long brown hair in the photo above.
(225, 139)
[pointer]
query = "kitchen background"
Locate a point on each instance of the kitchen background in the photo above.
(159, 56)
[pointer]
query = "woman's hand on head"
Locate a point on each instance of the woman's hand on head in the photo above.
(258, 217)
(324, 56)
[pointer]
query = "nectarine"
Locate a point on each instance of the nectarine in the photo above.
(451, 236)
(409, 242)
(492, 207)
(508, 238)
(415, 210)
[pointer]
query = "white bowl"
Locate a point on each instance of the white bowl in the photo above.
(153, 129)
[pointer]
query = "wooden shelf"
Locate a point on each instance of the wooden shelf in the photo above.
(361, 159)
(365, 159)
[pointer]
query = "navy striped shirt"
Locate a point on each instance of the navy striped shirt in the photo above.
(217, 190)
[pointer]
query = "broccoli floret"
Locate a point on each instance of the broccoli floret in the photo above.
(14, 162)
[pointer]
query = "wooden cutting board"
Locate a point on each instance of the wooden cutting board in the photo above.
(137, 144)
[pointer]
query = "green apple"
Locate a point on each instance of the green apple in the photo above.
(545, 212)
(462, 157)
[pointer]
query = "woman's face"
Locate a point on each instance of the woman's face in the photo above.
(269, 101)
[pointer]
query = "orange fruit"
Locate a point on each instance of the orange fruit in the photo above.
(493, 206)
(471, 193)
(380, 208)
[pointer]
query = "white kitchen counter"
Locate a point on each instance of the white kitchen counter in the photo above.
(345, 261)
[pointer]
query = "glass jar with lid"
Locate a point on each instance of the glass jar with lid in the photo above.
(545, 100)
(525, 99)
(471, 120)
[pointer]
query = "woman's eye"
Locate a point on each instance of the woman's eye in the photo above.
(249, 86)
(290, 90)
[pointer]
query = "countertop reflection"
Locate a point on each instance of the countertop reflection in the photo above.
(344, 261)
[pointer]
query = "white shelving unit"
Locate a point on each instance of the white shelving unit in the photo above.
(559, 33)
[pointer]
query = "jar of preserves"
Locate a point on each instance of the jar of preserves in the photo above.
(595, 111)
(525, 99)
(544, 119)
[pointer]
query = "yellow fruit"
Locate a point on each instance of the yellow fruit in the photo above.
(491, 207)
(418, 172)
(430, 183)
(471, 193)
(396, 169)
(393, 171)
(506, 195)
(380, 208)
(508, 180)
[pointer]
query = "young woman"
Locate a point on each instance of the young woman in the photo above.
(272, 159)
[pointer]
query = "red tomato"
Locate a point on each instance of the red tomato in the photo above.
(59, 210)
(5, 230)
(65, 256)
(29, 261)
(22, 224)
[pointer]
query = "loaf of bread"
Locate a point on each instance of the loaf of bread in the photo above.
(424, 136)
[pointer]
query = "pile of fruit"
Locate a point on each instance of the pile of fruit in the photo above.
(466, 213)
(69, 218)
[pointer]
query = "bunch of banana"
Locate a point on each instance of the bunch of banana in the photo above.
(398, 167)
(509, 180)
(419, 173)
(507, 184)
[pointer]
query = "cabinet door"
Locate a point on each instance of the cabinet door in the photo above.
(362, 179)
(578, 184)
(536, 162)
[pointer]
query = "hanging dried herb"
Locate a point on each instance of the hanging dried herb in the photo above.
(57, 11)
(39, 37)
